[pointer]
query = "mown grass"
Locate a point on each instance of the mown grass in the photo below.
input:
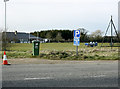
(63, 51)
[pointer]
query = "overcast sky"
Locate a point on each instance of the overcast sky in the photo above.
(37, 15)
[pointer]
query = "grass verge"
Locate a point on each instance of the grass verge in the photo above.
(63, 51)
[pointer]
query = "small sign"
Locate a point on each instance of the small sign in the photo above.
(77, 33)
(76, 41)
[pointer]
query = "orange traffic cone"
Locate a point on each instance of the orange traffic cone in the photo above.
(5, 59)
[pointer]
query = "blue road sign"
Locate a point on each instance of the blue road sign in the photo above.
(76, 41)
(77, 33)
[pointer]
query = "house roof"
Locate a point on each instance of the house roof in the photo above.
(20, 35)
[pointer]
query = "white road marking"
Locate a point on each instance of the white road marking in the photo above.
(69, 74)
(38, 78)
(95, 76)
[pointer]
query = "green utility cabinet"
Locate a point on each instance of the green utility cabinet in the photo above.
(36, 45)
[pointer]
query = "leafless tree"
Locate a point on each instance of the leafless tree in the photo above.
(3, 40)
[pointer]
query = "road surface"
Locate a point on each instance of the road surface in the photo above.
(82, 74)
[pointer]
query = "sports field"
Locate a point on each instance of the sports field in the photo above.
(63, 51)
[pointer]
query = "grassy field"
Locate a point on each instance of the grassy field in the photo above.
(63, 51)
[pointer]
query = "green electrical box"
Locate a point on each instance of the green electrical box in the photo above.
(36, 45)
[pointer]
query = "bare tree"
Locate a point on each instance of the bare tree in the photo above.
(97, 33)
(4, 40)
(58, 37)
(84, 36)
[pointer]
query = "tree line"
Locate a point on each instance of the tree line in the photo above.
(56, 35)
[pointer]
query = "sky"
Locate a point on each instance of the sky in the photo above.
(37, 15)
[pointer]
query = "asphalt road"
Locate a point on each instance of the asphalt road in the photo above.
(83, 74)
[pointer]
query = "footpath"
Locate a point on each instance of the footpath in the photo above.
(46, 61)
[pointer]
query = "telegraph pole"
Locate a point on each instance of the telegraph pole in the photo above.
(112, 26)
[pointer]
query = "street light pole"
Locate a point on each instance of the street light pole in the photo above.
(5, 16)
(5, 23)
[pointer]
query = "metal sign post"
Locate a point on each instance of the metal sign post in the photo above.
(76, 40)
(76, 50)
